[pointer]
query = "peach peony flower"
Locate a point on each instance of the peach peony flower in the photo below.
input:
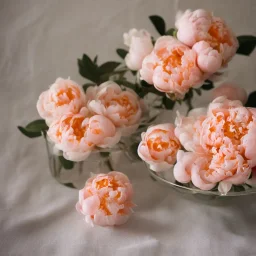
(223, 145)
(106, 199)
(252, 180)
(62, 97)
(76, 135)
(231, 91)
(209, 60)
(123, 108)
(209, 36)
(188, 129)
(159, 146)
(140, 45)
(192, 167)
(171, 67)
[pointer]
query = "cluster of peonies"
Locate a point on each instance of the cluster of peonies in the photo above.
(106, 199)
(204, 44)
(209, 147)
(79, 122)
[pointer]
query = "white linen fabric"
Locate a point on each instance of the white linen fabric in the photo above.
(41, 40)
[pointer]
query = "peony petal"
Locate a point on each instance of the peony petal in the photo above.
(224, 187)
(160, 167)
(76, 156)
(90, 205)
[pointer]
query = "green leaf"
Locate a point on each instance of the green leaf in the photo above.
(108, 67)
(168, 103)
(126, 84)
(159, 23)
(251, 102)
(29, 133)
(198, 91)
(134, 72)
(247, 44)
(208, 85)
(104, 154)
(87, 85)
(37, 126)
(171, 32)
(188, 95)
(34, 129)
(238, 188)
(146, 88)
(95, 59)
(152, 119)
(134, 150)
(66, 163)
(121, 53)
(70, 185)
(88, 69)
(142, 126)
(153, 40)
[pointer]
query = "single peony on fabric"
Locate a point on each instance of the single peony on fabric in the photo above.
(222, 145)
(172, 67)
(209, 36)
(106, 199)
(77, 135)
(159, 146)
(123, 108)
(140, 45)
(62, 97)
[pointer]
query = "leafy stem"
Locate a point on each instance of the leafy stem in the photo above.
(189, 103)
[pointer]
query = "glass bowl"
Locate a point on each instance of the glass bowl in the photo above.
(168, 179)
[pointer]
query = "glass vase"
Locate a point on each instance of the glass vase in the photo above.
(74, 174)
(189, 190)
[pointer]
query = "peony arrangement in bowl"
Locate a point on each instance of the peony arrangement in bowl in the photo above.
(209, 149)
(206, 150)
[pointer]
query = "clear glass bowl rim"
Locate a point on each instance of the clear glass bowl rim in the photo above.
(199, 191)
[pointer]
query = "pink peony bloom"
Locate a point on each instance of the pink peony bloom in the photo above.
(222, 144)
(171, 67)
(252, 180)
(159, 146)
(209, 60)
(77, 135)
(209, 36)
(106, 199)
(231, 91)
(123, 108)
(140, 45)
(188, 129)
(62, 97)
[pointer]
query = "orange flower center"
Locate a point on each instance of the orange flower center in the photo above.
(219, 35)
(66, 95)
(77, 127)
(125, 102)
(110, 183)
(161, 142)
(173, 61)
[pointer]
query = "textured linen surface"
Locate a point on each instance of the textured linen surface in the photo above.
(41, 40)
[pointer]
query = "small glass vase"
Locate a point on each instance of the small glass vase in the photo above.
(74, 174)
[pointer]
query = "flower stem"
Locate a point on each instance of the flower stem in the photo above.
(189, 103)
